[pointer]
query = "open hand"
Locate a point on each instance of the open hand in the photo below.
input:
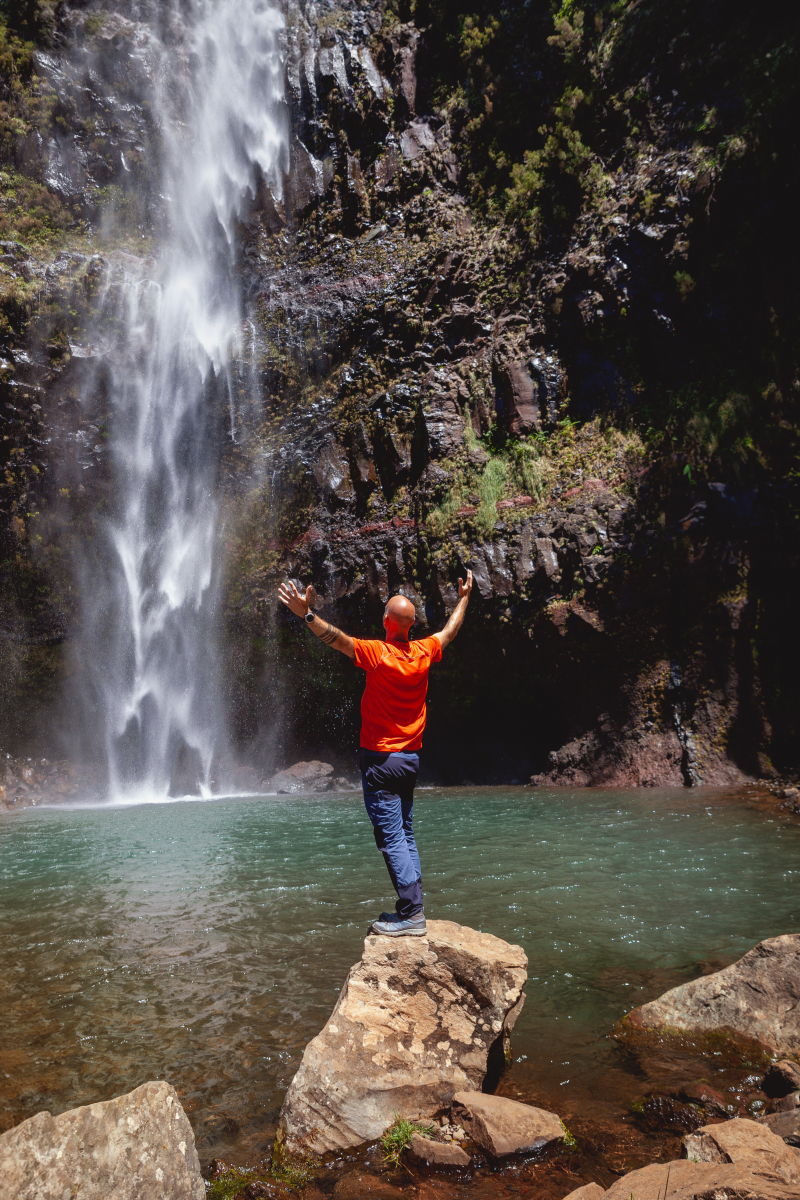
(464, 589)
(295, 601)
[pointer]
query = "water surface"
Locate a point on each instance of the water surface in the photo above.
(205, 942)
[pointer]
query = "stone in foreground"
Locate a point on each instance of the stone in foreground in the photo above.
(747, 1144)
(757, 998)
(699, 1181)
(501, 1126)
(426, 1152)
(413, 1025)
(302, 778)
(138, 1145)
(589, 1191)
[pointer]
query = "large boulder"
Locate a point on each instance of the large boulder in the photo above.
(757, 998)
(747, 1144)
(501, 1126)
(683, 1180)
(135, 1146)
(302, 778)
(589, 1191)
(413, 1025)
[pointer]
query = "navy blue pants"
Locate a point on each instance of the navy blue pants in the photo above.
(388, 781)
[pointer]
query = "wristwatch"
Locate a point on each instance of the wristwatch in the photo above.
(309, 617)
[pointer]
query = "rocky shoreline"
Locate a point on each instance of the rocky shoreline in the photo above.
(402, 1059)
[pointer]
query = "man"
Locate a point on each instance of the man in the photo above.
(392, 722)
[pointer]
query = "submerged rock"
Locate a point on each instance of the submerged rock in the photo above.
(136, 1145)
(757, 998)
(413, 1026)
(303, 777)
(501, 1126)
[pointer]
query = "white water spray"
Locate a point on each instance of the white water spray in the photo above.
(151, 618)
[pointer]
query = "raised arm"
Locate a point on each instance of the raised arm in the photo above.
(457, 615)
(299, 604)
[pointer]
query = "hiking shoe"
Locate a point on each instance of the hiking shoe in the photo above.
(397, 927)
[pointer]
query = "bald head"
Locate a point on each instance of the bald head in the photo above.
(398, 617)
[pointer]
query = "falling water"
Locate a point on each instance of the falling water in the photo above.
(151, 618)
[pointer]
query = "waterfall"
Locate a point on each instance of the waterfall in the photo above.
(151, 609)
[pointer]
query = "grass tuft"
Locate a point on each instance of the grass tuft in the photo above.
(398, 1137)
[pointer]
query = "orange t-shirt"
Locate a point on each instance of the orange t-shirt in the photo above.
(393, 704)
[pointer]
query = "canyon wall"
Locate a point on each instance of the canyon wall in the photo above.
(526, 305)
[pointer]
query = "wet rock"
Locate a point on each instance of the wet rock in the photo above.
(262, 1189)
(551, 385)
(757, 998)
(782, 1078)
(404, 76)
(442, 398)
(745, 1143)
(546, 557)
(332, 474)
(303, 777)
(424, 1151)
(412, 1027)
(589, 1191)
(785, 1125)
(786, 1103)
(501, 1126)
(140, 1144)
(702, 1093)
(665, 1112)
(362, 466)
(415, 140)
(517, 399)
(684, 1180)
(187, 771)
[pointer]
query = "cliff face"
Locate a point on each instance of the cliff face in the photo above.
(526, 306)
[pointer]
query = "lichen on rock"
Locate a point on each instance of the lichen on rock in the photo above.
(414, 1024)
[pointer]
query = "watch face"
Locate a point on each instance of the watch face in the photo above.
(309, 617)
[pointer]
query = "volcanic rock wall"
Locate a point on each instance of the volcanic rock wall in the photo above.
(442, 379)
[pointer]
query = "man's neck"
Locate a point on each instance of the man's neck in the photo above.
(396, 637)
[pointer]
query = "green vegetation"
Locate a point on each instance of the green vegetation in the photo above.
(570, 1141)
(532, 466)
(29, 20)
(29, 211)
(294, 1173)
(230, 1182)
(398, 1137)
